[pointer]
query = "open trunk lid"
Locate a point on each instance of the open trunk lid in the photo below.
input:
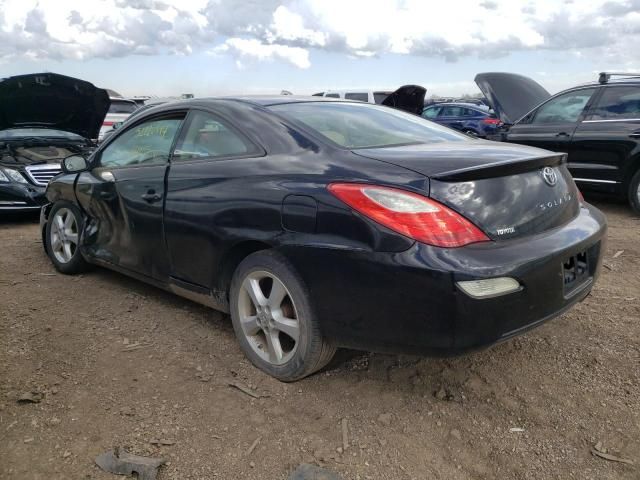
(509, 191)
(49, 100)
(409, 98)
(511, 96)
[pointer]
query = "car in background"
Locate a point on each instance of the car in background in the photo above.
(320, 223)
(480, 102)
(44, 118)
(597, 125)
(469, 118)
(409, 98)
(141, 109)
(119, 111)
(369, 96)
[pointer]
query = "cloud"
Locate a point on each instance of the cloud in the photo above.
(251, 49)
(291, 31)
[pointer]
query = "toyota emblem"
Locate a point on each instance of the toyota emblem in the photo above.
(550, 176)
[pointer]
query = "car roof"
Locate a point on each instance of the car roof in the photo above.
(238, 101)
(614, 81)
(268, 100)
(458, 104)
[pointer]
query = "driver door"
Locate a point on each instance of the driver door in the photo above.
(124, 196)
(551, 125)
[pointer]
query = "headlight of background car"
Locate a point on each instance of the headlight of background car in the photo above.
(10, 175)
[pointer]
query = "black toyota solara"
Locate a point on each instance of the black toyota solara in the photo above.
(320, 224)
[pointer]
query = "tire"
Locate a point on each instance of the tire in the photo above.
(64, 252)
(634, 192)
(285, 303)
(471, 133)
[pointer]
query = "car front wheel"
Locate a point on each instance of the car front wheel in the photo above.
(273, 318)
(634, 192)
(62, 238)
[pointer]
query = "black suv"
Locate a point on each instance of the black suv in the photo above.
(597, 125)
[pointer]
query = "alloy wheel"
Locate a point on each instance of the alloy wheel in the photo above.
(64, 235)
(268, 317)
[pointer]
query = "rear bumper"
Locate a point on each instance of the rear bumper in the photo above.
(409, 302)
(16, 197)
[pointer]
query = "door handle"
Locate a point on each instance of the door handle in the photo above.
(151, 196)
(562, 134)
(634, 135)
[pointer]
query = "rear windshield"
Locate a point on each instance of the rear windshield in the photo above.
(122, 106)
(357, 125)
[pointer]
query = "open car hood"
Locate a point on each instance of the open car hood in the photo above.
(49, 100)
(409, 98)
(511, 96)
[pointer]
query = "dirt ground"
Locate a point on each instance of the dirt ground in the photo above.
(121, 363)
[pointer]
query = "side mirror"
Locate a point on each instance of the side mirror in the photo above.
(74, 164)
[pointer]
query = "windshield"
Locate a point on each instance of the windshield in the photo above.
(36, 132)
(122, 106)
(355, 125)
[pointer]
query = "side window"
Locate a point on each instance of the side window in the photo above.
(468, 112)
(362, 97)
(451, 112)
(145, 144)
(617, 103)
(207, 136)
(565, 108)
(431, 112)
(333, 95)
(379, 97)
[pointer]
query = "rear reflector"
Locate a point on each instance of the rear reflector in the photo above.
(490, 287)
(416, 216)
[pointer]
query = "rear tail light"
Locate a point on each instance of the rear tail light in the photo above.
(410, 214)
(491, 121)
(107, 124)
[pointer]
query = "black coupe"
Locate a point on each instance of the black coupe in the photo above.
(320, 224)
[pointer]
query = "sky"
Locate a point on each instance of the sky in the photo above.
(222, 47)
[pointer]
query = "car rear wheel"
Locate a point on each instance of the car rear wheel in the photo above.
(634, 192)
(273, 318)
(63, 238)
(469, 132)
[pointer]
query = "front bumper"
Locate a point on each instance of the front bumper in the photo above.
(408, 302)
(17, 197)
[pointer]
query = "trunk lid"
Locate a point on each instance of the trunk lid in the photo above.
(49, 100)
(409, 98)
(507, 190)
(511, 96)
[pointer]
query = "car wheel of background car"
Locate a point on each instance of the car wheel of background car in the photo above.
(471, 133)
(273, 318)
(63, 236)
(634, 192)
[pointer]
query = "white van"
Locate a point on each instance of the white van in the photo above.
(370, 96)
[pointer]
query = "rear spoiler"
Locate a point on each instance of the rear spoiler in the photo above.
(502, 169)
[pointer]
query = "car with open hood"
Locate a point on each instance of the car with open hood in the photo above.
(597, 125)
(44, 118)
(321, 223)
